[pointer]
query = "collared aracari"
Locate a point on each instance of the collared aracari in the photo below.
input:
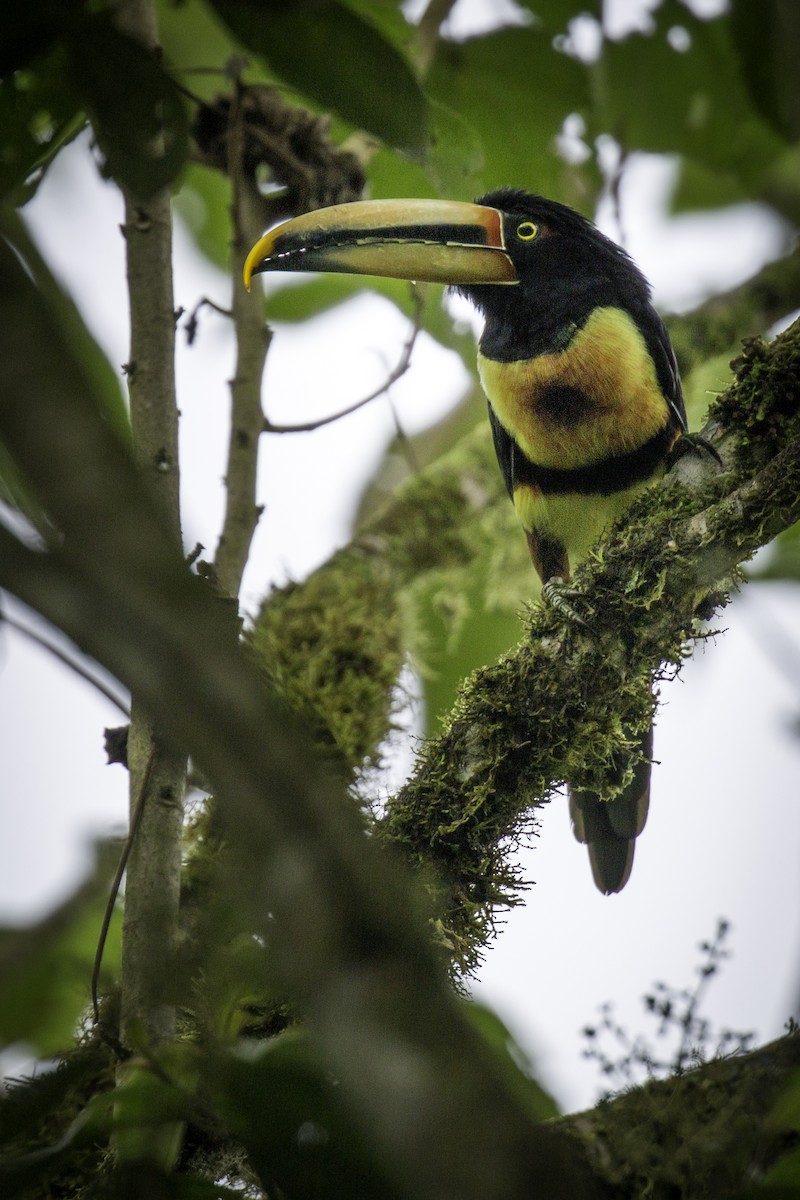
(584, 398)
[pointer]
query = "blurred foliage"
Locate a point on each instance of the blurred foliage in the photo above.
(44, 971)
(528, 105)
(63, 60)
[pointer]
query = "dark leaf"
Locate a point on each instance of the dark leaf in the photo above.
(515, 92)
(289, 1114)
(697, 104)
(767, 40)
(136, 110)
(38, 116)
(30, 29)
(512, 1060)
(106, 380)
(337, 59)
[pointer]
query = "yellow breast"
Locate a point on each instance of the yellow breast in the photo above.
(599, 396)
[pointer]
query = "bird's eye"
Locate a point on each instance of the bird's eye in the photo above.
(526, 230)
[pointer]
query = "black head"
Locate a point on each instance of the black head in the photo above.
(566, 268)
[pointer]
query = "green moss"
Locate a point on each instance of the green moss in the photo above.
(691, 1136)
(332, 648)
(762, 409)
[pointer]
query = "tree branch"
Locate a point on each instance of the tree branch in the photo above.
(397, 372)
(720, 323)
(540, 715)
(252, 343)
(150, 922)
(720, 1123)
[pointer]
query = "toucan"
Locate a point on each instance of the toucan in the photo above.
(584, 397)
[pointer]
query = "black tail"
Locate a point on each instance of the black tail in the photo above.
(610, 827)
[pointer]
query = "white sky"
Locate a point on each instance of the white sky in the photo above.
(723, 837)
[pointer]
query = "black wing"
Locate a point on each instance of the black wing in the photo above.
(504, 449)
(657, 341)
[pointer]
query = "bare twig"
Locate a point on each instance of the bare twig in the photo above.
(426, 38)
(193, 320)
(252, 343)
(138, 809)
(396, 373)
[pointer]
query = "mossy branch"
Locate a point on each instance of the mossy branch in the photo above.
(540, 715)
(718, 1122)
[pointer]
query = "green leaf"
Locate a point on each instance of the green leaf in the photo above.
(785, 1115)
(512, 1061)
(699, 188)
(199, 46)
(457, 158)
(203, 202)
(106, 380)
(283, 1105)
(515, 91)
(45, 970)
(782, 561)
(708, 379)
(338, 59)
(393, 174)
(37, 116)
(136, 110)
(767, 41)
(468, 617)
(697, 104)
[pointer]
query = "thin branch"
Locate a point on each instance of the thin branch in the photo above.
(138, 809)
(252, 342)
(426, 37)
(193, 320)
(396, 373)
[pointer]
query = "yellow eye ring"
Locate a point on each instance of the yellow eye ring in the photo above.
(526, 231)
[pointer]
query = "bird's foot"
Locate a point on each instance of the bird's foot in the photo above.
(692, 443)
(560, 596)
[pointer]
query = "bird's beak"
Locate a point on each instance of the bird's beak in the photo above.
(436, 241)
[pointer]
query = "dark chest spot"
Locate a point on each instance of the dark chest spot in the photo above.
(563, 405)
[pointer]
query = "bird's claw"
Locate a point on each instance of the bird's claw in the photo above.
(559, 595)
(692, 443)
